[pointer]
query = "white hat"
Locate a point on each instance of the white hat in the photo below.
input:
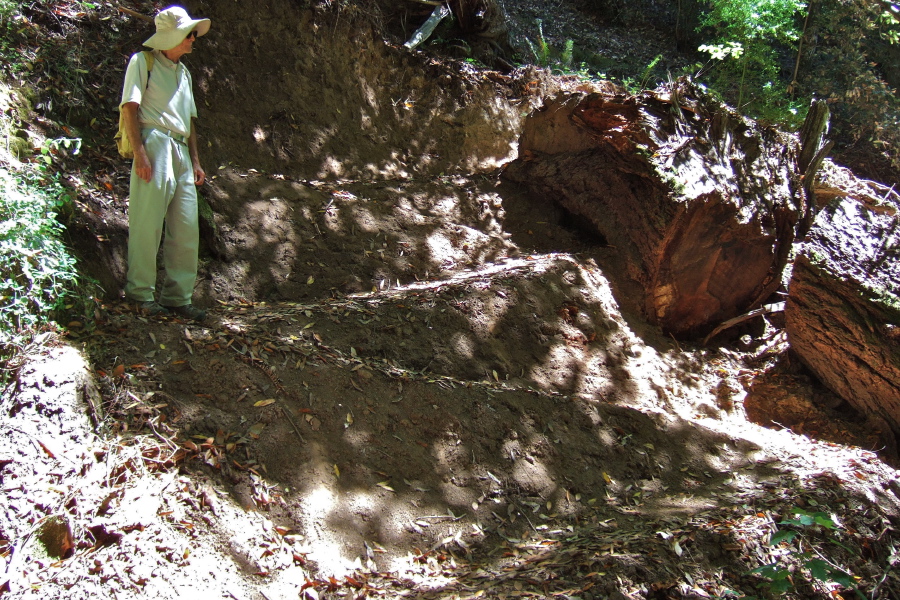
(172, 26)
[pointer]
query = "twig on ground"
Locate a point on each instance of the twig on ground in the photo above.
(768, 308)
(287, 413)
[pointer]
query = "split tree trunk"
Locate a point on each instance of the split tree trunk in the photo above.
(843, 309)
(702, 203)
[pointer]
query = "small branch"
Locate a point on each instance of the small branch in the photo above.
(428, 2)
(137, 15)
(423, 32)
(287, 413)
(793, 85)
(768, 308)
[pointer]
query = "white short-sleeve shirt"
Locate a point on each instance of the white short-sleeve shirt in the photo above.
(168, 100)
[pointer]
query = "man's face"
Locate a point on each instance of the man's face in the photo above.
(187, 44)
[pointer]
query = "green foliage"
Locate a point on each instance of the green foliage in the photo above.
(648, 71)
(636, 86)
(541, 52)
(748, 21)
(546, 56)
(566, 58)
(755, 47)
(805, 524)
(749, 36)
(36, 270)
(8, 9)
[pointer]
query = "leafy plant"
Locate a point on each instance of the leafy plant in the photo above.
(542, 51)
(803, 526)
(8, 8)
(546, 56)
(648, 71)
(37, 272)
(852, 40)
(748, 35)
(566, 58)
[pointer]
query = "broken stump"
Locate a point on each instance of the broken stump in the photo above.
(702, 203)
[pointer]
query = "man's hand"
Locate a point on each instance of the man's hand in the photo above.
(199, 174)
(142, 164)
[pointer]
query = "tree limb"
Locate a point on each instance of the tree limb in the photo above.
(428, 27)
(134, 14)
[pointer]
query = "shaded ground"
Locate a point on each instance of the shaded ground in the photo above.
(499, 427)
(433, 386)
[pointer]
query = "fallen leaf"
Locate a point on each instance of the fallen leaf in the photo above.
(256, 430)
(119, 371)
(265, 402)
(337, 471)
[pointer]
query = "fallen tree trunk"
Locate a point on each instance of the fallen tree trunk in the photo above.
(702, 203)
(843, 308)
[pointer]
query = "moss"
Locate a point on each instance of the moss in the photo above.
(883, 298)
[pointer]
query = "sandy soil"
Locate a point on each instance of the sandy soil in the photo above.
(486, 409)
(431, 385)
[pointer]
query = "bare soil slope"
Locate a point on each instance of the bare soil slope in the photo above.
(417, 381)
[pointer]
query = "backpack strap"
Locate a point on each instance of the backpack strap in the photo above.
(150, 59)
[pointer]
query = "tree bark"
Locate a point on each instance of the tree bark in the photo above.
(702, 203)
(843, 308)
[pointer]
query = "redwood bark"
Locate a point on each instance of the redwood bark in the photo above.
(702, 203)
(843, 308)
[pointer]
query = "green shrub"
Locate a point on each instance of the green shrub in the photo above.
(802, 545)
(546, 56)
(749, 37)
(843, 68)
(8, 9)
(37, 272)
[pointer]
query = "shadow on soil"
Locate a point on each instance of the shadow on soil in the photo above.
(423, 384)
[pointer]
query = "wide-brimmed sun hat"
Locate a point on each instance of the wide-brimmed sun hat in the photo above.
(172, 26)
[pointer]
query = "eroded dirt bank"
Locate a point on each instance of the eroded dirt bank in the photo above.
(427, 386)
(501, 428)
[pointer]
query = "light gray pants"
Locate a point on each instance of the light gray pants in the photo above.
(171, 198)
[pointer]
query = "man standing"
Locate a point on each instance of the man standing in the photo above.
(159, 111)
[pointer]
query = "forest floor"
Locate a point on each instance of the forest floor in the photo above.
(425, 387)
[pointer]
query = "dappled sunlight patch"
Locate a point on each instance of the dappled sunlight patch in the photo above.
(355, 436)
(259, 135)
(364, 219)
(269, 218)
(324, 546)
(531, 474)
(331, 167)
(463, 345)
(441, 248)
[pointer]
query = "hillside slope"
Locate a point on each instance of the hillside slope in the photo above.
(416, 380)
